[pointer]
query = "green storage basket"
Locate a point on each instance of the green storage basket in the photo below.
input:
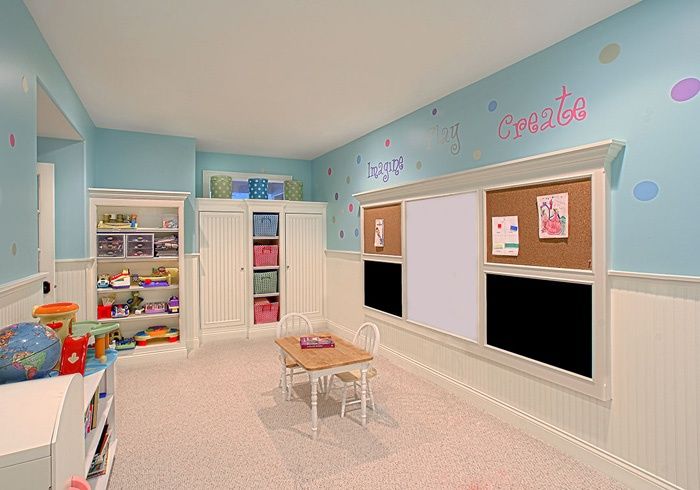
(293, 190)
(221, 186)
(265, 282)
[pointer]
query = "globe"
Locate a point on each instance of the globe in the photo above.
(27, 351)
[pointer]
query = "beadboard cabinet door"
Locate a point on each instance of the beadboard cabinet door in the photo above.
(223, 258)
(304, 253)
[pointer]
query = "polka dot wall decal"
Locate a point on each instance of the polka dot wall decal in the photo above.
(13, 249)
(435, 111)
(492, 105)
(25, 85)
(333, 219)
(347, 179)
(419, 165)
(330, 171)
(342, 234)
(387, 143)
(609, 53)
(357, 232)
(336, 196)
(476, 155)
(12, 140)
(686, 89)
(358, 159)
(646, 190)
(350, 207)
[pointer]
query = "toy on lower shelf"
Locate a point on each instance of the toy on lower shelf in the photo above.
(158, 332)
(125, 344)
(101, 333)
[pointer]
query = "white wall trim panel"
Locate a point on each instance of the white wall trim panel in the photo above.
(655, 277)
(18, 298)
(647, 435)
(304, 259)
(190, 322)
(73, 279)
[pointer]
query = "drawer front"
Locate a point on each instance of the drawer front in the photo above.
(110, 245)
(31, 475)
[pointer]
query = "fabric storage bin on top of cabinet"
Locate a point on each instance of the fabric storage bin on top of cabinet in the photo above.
(265, 224)
(221, 186)
(257, 188)
(293, 190)
(265, 282)
(110, 245)
(139, 245)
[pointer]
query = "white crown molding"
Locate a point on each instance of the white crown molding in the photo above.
(568, 161)
(96, 192)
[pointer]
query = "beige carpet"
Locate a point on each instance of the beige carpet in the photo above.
(219, 421)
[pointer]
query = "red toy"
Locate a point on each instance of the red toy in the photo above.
(74, 354)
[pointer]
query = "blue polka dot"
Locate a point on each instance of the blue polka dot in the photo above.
(492, 105)
(359, 159)
(646, 190)
(357, 232)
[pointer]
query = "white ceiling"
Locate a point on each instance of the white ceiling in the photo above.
(50, 121)
(289, 78)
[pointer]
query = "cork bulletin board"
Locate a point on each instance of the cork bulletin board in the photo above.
(574, 252)
(391, 215)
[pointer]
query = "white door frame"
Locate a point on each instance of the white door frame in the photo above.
(46, 215)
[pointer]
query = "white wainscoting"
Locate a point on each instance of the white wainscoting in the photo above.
(648, 434)
(191, 302)
(73, 278)
(18, 298)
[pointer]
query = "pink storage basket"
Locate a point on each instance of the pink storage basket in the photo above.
(265, 255)
(264, 311)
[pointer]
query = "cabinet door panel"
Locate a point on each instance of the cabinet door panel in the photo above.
(222, 247)
(304, 259)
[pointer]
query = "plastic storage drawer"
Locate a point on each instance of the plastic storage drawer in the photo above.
(139, 245)
(110, 245)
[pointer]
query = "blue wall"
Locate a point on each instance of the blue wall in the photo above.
(299, 169)
(70, 183)
(129, 160)
(628, 97)
(24, 54)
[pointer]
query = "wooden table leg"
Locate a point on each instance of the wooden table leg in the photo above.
(314, 406)
(363, 396)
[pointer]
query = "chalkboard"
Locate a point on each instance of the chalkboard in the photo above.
(383, 286)
(548, 321)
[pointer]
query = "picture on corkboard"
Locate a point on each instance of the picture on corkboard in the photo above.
(573, 251)
(382, 230)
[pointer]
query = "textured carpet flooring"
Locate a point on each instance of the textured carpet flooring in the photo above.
(219, 421)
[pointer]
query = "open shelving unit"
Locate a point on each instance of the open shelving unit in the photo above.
(265, 240)
(152, 209)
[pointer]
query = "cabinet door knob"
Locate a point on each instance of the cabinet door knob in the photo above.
(242, 269)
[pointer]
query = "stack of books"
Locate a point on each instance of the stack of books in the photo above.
(99, 461)
(91, 414)
(316, 342)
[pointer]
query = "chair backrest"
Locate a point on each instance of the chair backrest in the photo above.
(294, 324)
(367, 338)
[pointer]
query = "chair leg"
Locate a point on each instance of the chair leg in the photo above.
(345, 394)
(290, 385)
(354, 387)
(329, 385)
(371, 396)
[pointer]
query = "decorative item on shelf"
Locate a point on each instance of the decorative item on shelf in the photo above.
(135, 303)
(265, 255)
(101, 332)
(257, 188)
(104, 310)
(221, 186)
(264, 311)
(173, 273)
(133, 221)
(57, 316)
(156, 332)
(169, 221)
(265, 224)
(155, 308)
(174, 304)
(121, 280)
(166, 246)
(120, 310)
(293, 190)
(117, 221)
(103, 281)
(27, 351)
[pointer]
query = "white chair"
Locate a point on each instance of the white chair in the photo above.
(291, 324)
(366, 338)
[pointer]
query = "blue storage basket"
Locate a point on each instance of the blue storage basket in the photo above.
(265, 224)
(257, 188)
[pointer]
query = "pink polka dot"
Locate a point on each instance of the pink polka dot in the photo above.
(12, 140)
(330, 171)
(350, 207)
(387, 143)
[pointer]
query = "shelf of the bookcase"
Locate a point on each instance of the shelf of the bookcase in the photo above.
(136, 288)
(137, 259)
(266, 267)
(100, 482)
(142, 317)
(262, 238)
(90, 384)
(137, 230)
(266, 295)
(93, 438)
(155, 346)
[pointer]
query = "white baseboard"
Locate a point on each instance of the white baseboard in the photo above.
(608, 463)
(148, 358)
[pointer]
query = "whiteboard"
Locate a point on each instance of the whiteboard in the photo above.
(442, 263)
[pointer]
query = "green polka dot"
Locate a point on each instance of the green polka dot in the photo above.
(609, 53)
